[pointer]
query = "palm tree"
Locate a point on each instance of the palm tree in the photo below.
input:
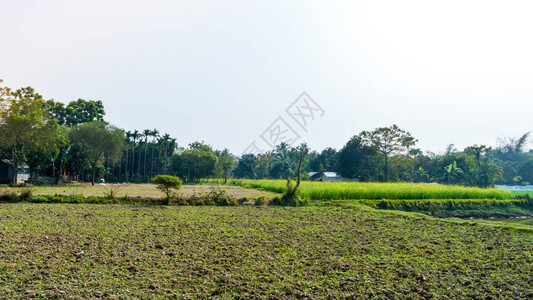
(128, 141)
(155, 134)
(137, 136)
(147, 133)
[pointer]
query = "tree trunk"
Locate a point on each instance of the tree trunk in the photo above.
(299, 174)
(93, 171)
(126, 166)
(15, 172)
(386, 168)
(152, 162)
(144, 166)
(139, 167)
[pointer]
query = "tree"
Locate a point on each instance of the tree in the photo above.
(388, 141)
(246, 166)
(291, 196)
(197, 162)
(485, 171)
(76, 112)
(6, 97)
(99, 141)
(155, 135)
(84, 111)
(357, 160)
(167, 184)
(25, 127)
(303, 149)
(452, 173)
(225, 163)
(285, 160)
(325, 161)
(478, 152)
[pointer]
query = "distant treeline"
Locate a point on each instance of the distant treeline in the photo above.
(74, 142)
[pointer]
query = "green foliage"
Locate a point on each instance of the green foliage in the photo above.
(388, 141)
(76, 112)
(25, 128)
(199, 161)
(225, 163)
(26, 194)
(167, 184)
(357, 160)
(291, 197)
(220, 197)
(99, 142)
(112, 192)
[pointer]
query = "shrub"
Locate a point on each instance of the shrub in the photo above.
(262, 201)
(26, 194)
(244, 201)
(219, 197)
(167, 184)
(111, 193)
(182, 202)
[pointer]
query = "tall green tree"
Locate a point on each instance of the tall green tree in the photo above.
(225, 163)
(199, 161)
(357, 160)
(24, 128)
(246, 166)
(100, 141)
(388, 141)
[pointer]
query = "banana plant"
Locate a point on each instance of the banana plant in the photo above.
(452, 173)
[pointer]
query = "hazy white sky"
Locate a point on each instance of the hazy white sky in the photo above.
(222, 71)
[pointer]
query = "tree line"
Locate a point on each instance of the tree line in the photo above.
(74, 142)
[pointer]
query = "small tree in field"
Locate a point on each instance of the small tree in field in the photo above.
(167, 184)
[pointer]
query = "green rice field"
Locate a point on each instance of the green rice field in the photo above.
(356, 190)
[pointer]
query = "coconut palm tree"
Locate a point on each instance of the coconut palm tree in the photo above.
(155, 135)
(128, 142)
(147, 133)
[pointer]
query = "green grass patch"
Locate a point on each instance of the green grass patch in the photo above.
(445, 208)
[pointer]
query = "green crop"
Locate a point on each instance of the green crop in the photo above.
(357, 190)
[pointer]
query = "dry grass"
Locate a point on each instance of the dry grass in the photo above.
(140, 190)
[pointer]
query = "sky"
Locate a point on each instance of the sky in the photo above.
(225, 72)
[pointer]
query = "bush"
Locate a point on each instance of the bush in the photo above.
(167, 184)
(291, 197)
(219, 197)
(111, 193)
(182, 202)
(262, 201)
(26, 194)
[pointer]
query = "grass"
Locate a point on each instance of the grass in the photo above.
(445, 208)
(521, 193)
(137, 190)
(515, 221)
(120, 251)
(354, 190)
